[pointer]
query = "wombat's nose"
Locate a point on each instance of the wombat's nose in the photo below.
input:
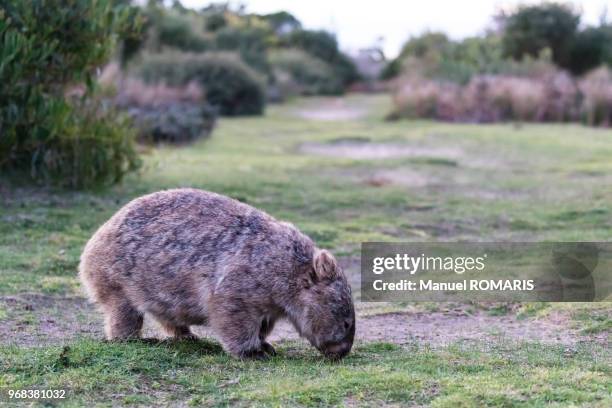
(338, 350)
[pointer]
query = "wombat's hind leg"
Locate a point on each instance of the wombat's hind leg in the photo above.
(123, 321)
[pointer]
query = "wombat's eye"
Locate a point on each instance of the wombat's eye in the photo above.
(347, 324)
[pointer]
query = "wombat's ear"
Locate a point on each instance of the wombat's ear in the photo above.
(324, 264)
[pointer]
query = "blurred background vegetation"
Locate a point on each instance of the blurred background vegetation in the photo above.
(84, 80)
(539, 63)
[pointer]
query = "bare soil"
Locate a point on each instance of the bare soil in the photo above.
(332, 110)
(38, 320)
(377, 151)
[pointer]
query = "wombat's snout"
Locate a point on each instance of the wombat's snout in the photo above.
(337, 350)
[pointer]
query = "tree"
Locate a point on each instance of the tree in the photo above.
(426, 45)
(282, 22)
(324, 46)
(531, 29)
(591, 48)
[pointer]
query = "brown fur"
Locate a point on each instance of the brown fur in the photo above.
(189, 257)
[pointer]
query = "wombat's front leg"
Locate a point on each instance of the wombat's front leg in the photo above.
(267, 325)
(238, 329)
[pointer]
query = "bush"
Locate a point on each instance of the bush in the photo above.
(433, 55)
(173, 123)
(492, 98)
(249, 42)
(420, 98)
(305, 74)
(43, 48)
(95, 147)
(597, 105)
(175, 30)
(324, 46)
(230, 85)
(166, 114)
(504, 98)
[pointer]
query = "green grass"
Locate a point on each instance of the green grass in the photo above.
(200, 373)
(534, 183)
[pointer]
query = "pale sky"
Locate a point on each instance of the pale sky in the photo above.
(358, 24)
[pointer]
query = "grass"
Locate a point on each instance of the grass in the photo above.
(199, 373)
(469, 182)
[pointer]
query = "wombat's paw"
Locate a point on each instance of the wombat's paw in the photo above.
(257, 354)
(187, 337)
(268, 349)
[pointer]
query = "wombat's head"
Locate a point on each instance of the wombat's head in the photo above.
(327, 316)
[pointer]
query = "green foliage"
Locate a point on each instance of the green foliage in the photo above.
(430, 43)
(282, 22)
(95, 147)
(591, 48)
(548, 32)
(176, 30)
(230, 85)
(392, 69)
(46, 45)
(534, 28)
(132, 41)
(321, 44)
(324, 46)
(480, 54)
(311, 75)
(214, 16)
(249, 42)
(434, 55)
(221, 27)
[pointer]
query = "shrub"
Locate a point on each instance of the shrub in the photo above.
(249, 42)
(95, 147)
(308, 75)
(230, 85)
(43, 48)
(491, 98)
(175, 30)
(173, 123)
(166, 114)
(324, 46)
(597, 104)
(420, 98)
(498, 98)
(433, 55)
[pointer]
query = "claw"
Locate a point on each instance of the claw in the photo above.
(268, 349)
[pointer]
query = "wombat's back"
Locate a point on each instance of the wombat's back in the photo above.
(166, 251)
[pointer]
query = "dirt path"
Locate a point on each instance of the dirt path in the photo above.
(39, 320)
(332, 109)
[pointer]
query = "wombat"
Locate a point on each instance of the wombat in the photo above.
(190, 257)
